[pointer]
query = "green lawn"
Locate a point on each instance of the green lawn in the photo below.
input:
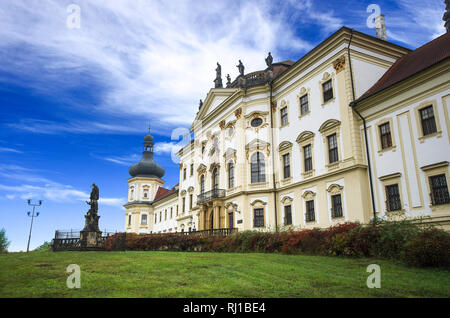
(173, 274)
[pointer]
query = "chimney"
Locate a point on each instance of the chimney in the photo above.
(380, 26)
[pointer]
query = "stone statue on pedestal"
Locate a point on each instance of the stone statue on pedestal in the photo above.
(218, 80)
(91, 235)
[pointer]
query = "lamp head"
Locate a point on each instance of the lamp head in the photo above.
(28, 213)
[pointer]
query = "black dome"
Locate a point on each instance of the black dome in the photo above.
(147, 167)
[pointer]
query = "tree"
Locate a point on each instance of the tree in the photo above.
(44, 247)
(4, 243)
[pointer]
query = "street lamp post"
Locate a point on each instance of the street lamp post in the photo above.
(32, 215)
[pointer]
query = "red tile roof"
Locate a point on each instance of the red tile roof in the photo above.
(163, 193)
(412, 63)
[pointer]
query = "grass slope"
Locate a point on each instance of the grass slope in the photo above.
(174, 274)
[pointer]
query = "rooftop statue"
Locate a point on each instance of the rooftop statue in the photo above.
(446, 16)
(218, 80)
(200, 104)
(241, 68)
(228, 80)
(269, 61)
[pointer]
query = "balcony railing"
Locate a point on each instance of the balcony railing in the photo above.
(217, 232)
(210, 195)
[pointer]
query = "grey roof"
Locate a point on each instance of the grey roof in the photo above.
(147, 167)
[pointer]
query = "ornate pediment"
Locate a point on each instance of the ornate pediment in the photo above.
(230, 153)
(285, 145)
(331, 123)
(257, 144)
(305, 136)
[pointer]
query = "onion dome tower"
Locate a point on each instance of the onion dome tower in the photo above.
(142, 188)
(147, 167)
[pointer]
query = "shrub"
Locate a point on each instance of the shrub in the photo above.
(429, 248)
(393, 237)
(44, 247)
(361, 241)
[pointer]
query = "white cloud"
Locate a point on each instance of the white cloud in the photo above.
(155, 59)
(45, 188)
(4, 149)
(167, 147)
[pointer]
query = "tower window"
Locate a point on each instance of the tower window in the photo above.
(129, 219)
(192, 169)
(144, 219)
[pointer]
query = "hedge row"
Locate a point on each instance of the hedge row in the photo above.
(411, 242)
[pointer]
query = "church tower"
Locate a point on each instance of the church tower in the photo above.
(142, 187)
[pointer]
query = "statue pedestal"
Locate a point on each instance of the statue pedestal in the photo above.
(90, 238)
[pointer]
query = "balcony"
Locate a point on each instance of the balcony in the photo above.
(210, 195)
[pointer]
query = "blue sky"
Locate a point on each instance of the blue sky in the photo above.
(76, 103)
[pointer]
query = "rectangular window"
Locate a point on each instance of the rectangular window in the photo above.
(439, 190)
(332, 149)
(393, 202)
(230, 175)
(304, 106)
(327, 91)
(171, 212)
(385, 135)
(287, 215)
(144, 219)
(184, 204)
(336, 206)
(307, 153)
(165, 215)
(310, 215)
(177, 210)
(129, 219)
(284, 116)
(286, 166)
(156, 218)
(258, 218)
(160, 216)
(190, 201)
(192, 169)
(428, 121)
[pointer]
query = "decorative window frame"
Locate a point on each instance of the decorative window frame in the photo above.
(284, 104)
(249, 171)
(325, 78)
(328, 128)
(391, 179)
(309, 195)
(434, 170)
(335, 189)
(417, 110)
(304, 139)
(140, 220)
(303, 92)
(257, 114)
(285, 148)
(258, 204)
(391, 127)
(231, 124)
(131, 193)
(287, 200)
(228, 174)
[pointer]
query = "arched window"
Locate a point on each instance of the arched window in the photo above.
(258, 168)
(230, 175)
(202, 184)
(215, 179)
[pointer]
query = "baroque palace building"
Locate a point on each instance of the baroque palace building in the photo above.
(356, 128)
